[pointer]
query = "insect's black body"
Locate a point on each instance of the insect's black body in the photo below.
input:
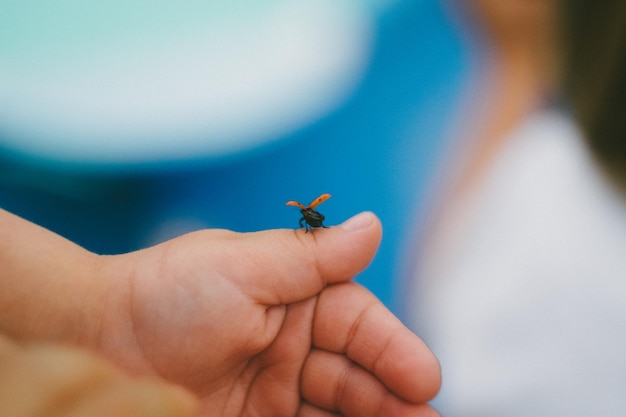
(311, 218)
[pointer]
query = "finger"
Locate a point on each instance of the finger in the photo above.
(286, 266)
(351, 321)
(332, 382)
(277, 386)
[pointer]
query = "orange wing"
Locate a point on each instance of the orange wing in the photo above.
(319, 200)
(296, 204)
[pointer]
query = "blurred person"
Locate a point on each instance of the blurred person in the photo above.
(264, 323)
(519, 283)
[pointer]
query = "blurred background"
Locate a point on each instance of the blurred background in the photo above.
(125, 123)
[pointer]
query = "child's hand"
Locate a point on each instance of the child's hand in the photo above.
(266, 323)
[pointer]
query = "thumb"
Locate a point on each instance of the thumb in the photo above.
(284, 266)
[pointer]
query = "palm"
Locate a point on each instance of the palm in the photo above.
(268, 383)
(251, 359)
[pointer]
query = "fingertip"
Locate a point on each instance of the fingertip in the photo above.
(345, 250)
(359, 221)
(412, 370)
(428, 379)
(364, 228)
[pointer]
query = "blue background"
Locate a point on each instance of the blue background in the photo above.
(375, 152)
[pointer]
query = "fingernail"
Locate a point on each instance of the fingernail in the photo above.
(357, 222)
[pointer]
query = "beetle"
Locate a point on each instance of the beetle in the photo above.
(310, 217)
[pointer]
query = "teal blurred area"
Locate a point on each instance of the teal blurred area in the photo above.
(229, 110)
(111, 83)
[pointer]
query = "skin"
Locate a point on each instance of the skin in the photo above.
(53, 381)
(264, 323)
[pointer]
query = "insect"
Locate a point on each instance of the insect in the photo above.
(310, 217)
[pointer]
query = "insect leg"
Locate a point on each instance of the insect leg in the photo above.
(302, 224)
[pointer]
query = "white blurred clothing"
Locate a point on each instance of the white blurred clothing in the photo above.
(521, 288)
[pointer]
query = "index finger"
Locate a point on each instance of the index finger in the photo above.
(351, 321)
